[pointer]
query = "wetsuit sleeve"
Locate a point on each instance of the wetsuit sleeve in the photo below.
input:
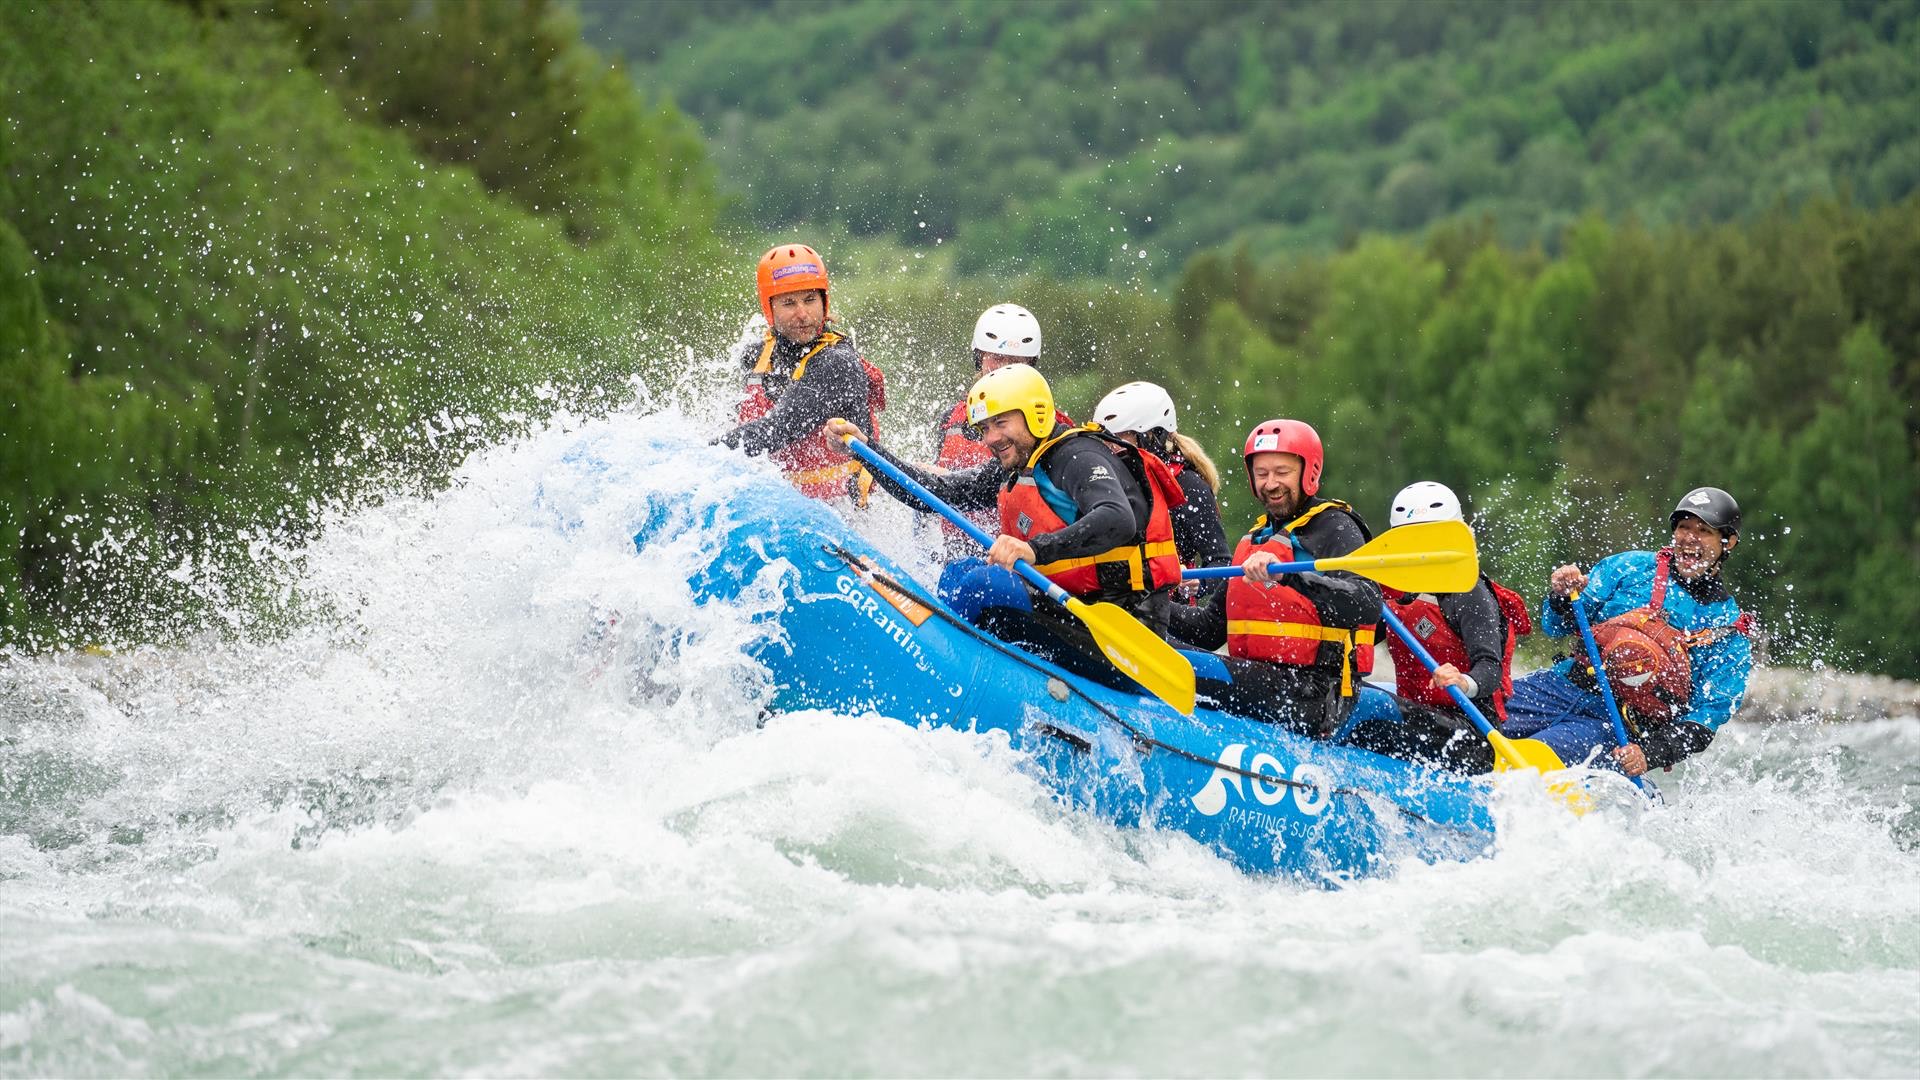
(835, 385)
(977, 488)
(1476, 617)
(1720, 673)
(1342, 598)
(1668, 744)
(1203, 626)
(1089, 474)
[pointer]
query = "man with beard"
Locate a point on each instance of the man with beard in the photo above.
(798, 370)
(1296, 642)
(1673, 640)
(1086, 510)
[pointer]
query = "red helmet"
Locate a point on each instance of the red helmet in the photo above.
(1288, 437)
(790, 268)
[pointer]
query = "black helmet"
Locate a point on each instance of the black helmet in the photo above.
(1711, 505)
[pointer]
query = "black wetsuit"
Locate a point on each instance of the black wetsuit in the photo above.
(1113, 510)
(835, 385)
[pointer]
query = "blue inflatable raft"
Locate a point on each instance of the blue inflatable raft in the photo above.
(856, 634)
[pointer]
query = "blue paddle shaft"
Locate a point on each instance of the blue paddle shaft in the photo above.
(1235, 571)
(1458, 695)
(882, 465)
(1599, 670)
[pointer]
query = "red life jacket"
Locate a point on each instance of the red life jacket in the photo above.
(1189, 593)
(1646, 656)
(1421, 613)
(961, 448)
(1278, 623)
(1149, 559)
(820, 467)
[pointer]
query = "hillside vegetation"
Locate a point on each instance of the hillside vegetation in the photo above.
(232, 287)
(1121, 136)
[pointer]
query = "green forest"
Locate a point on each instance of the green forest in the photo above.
(257, 258)
(1119, 137)
(249, 262)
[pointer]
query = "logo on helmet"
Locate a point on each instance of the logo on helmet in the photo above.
(795, 268)
(1699, 498)
(976, 412)
(1265, 442)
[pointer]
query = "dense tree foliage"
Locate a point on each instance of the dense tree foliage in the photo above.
(227, 291)
(1075, 138)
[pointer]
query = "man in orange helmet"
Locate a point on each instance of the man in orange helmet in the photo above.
(801, 373)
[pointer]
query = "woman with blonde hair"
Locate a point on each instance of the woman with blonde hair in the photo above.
(1142, 413)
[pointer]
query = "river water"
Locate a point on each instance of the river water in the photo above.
(498, 804)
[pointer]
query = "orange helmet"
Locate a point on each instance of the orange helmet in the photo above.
(790, 268)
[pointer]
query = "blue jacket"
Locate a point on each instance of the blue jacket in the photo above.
(1620, 583)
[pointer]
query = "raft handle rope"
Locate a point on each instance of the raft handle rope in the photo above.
(1142, 741)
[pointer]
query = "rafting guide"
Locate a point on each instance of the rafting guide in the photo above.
(798, 370)
(1673, 648)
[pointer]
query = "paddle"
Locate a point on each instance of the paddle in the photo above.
(1598, 669)
(1145, 657)
(1508, 753)
(1431, 556)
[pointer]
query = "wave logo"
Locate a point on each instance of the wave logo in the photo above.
(1311, 787)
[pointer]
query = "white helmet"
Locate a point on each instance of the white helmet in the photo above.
(1137, 406)
(1425, 501)
(1007, 329)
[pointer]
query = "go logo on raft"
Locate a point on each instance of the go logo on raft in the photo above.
(1311, 787)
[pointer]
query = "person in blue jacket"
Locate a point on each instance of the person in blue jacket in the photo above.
(1673, 640)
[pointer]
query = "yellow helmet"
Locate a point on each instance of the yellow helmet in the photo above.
(1014, 388)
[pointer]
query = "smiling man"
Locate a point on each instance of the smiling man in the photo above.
(1297, 643)
(1673, 639)
(1088, 511)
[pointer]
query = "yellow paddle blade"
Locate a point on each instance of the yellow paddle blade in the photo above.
(1533, 754)
(1524, 754)
(1138, 651)
(1414, 572)
(1429, 556)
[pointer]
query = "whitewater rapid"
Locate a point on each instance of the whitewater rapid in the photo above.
(501, 801)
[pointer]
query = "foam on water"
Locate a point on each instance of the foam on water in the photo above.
(509, 809)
